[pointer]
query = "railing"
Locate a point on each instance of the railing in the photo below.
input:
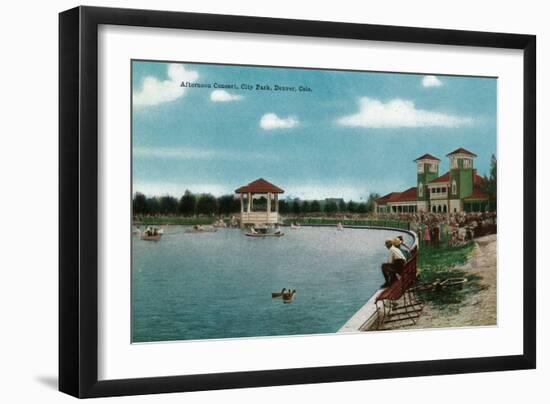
(396, 224)
(259, 217)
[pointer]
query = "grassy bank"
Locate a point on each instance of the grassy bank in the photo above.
(439, 264)
(348, 222)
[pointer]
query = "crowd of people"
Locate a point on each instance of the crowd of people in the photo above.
(455, 228)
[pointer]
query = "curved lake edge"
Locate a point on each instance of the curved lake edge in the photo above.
(367, 315)
(360, 293)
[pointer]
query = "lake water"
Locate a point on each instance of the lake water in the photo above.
(218, 285)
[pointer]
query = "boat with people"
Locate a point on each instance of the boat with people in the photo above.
(264, 232)
(151, 234)
(275, 295)
(288, 296)
(295, 226)
(199, 228)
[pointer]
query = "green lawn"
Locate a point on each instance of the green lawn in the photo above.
(438, 263)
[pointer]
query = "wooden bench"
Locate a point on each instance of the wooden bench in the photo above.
(390, 310)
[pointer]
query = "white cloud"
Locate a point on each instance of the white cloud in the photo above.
(224, 96)
(398, 113)
(431, 81)
(154, 91)
(271, 121)
(192, 153)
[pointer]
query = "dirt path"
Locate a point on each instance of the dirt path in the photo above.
(478, 309)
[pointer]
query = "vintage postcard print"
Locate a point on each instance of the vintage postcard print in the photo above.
(276, 201)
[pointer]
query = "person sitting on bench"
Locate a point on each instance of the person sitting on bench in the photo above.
(394, 266)
(398, 242)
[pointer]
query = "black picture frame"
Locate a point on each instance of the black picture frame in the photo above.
(78, 200)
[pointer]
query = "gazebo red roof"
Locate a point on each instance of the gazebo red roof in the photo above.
(462, 150)
(260, 186)
(427, 157)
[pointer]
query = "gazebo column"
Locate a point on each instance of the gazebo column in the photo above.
(268, 206)
(242, 204)
(249, 207)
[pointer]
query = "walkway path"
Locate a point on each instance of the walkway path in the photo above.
(478, 309)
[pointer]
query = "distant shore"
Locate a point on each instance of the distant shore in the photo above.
(321, 220)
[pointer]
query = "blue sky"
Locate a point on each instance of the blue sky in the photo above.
(352, 134)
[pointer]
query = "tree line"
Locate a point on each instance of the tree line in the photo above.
(207, 204)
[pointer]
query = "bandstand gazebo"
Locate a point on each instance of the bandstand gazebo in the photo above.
(259, 203)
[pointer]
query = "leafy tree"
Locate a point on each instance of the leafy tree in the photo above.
(296, 208)
(489, 185)
(306, 207)
(342, 206)
(362, 208)
(187, 204)
(153, 205)
(139, 204)
(206, 205)
(331, 207)
(370, 202)
(168, 205)
(315, 206)
(227, 204)
(283, 207)
(352, 207)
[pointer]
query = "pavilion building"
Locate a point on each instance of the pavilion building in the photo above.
(259, 203)
(457, 190)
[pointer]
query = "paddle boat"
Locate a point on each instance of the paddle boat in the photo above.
(264, 232)
(199, 228)
(152, 234)
(275, 295)
(288, 296)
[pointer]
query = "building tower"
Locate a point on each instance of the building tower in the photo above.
(461, 178)
(427, 169)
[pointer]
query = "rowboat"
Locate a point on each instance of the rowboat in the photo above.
(289, 296)
(278, 294)
(153, 237)
(202, 229)
(280, 234)
(151, 234)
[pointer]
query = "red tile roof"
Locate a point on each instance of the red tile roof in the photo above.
(427, 157)
(462, 150)
(442, 178)
(478, 179)
(405, 196)
(385, 198)
(477, 195)
(408, 195)
(259, 186)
